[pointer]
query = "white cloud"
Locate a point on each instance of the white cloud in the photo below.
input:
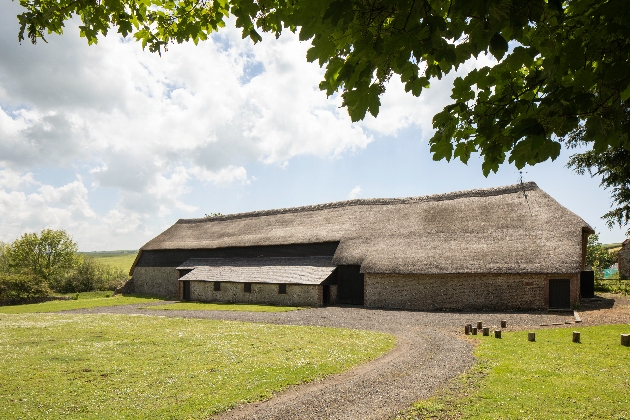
(12, 180)
(223, 176)
(355, 192)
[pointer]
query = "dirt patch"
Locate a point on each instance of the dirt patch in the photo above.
(605, 308)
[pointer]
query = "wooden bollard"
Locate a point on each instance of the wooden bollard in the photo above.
(486, 331)
(479, 325)
(497, 333)
(576, 336)
(473, 331)
(625, 340)
(466, 330)
(531, 336)
(503, 323)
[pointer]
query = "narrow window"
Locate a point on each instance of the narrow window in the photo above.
(217, 286)
(282, 289)
(247, 287)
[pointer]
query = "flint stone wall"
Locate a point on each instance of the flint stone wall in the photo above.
(624, 262)
(262, 293)
(462, 291)
(159, 281)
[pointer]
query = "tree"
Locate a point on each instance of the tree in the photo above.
(613, 165)
(49, 255)
(598, 257)
(563, 71)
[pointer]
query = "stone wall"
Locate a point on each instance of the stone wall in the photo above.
(462, 291)
(159, 281)
(624, 262)
(262, 293)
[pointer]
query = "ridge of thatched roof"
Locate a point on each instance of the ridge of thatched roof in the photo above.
(513, 229)
(485, 192)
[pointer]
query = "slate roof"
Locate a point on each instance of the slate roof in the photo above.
(292, 270)
(513, 229)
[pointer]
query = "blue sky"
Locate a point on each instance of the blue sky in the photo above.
(114, 144)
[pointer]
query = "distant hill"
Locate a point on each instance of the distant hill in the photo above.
(612, 247)
(122, 259)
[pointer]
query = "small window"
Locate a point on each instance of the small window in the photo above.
(247, 287)
(282, 289)
(217, 286)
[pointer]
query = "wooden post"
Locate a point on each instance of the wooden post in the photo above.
(503, 323)
(466, 330)
(531, 336)
(486, 331)
(576, 336)
(479, 325)
(474, 330)
(625, 340)
(469, 328)
(497, 333)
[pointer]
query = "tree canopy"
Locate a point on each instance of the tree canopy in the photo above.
(48, 255)
(562, 73)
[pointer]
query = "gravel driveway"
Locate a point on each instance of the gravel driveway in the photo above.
(429, 352)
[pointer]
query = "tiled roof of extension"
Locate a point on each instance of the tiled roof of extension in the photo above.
(297, 270)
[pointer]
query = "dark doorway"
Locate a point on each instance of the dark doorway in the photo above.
(350, 286)
(326, 294)
(587, 284)
(559, 294)
(186, 290)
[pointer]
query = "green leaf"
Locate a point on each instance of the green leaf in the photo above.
(498, 46)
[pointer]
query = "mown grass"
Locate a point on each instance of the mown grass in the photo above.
(551, 378)
(89, 301)
(204, 306)
(138, 367)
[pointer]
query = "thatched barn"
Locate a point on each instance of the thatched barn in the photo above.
(623, 262)
(512, 247)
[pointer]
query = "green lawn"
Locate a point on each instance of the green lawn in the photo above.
(203, 306)
(120, 259)
(138, 367)
(551, 378)
(88, 301)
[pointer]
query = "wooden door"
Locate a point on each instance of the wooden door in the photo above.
(559, 294)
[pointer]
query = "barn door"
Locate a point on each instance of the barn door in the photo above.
(559, 294)
(350, 286)
(186, 290)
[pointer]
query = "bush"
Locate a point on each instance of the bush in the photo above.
(91, 275)
(21, 287)
(613, 286)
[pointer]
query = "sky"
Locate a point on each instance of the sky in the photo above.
(114, 144)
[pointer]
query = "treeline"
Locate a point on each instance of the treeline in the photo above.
(39, 265)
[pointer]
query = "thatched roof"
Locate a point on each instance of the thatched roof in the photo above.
(512, 229)
(292, 270)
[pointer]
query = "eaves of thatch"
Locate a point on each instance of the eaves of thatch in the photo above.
(512, 229)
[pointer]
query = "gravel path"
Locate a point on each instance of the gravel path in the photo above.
(429, 352)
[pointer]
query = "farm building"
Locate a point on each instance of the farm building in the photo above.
(623, 261)
(512, 247)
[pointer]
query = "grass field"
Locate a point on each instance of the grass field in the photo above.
(203, 306)
(551, 378)
(89, 300)
(137, 367)
(120, 259)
